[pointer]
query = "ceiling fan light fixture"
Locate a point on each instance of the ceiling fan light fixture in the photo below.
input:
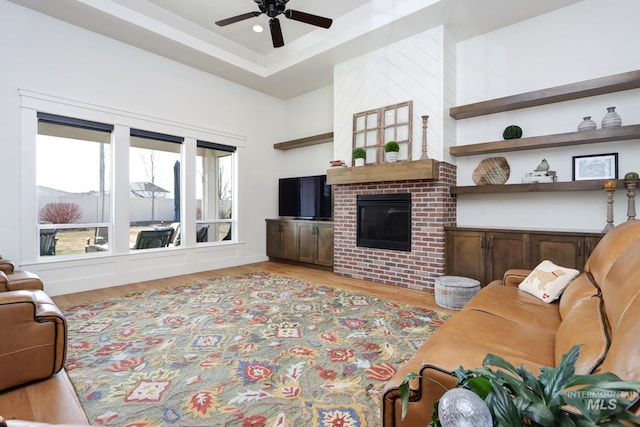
(273, 9)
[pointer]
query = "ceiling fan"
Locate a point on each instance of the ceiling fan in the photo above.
(274, 8)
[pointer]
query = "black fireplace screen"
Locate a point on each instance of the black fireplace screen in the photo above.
(384, 221)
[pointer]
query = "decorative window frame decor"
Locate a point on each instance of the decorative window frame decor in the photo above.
(373, 128)
(595, 166)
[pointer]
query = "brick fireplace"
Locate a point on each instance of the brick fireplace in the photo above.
(432, 208)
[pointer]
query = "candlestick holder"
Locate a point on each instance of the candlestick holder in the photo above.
(609, 224)
(424, 138)
(631, 199)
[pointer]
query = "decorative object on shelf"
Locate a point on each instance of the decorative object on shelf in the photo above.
(336, 163)
(391, 150)
(631, 183)
(424, 138)
(460, 407)
(595, 166)
(543, 166)
(359, 155)
(539, 177)
(611, 119)
(587, 124)
(512, 132)
(493, 170)
(540, 174)
(609, 188)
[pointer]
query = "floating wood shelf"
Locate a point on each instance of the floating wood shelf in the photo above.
(399, 171)
(304, 142)
(588, 185)
(599, 86)
(559, 140)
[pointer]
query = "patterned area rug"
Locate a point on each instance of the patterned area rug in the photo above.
(248, 351)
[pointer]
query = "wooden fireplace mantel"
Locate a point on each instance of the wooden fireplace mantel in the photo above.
(399, 171)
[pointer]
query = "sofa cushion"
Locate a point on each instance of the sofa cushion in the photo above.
(580, 289)
(467, 337)
(547, 281)
(610, 247)
(586, 325)
(512, 304)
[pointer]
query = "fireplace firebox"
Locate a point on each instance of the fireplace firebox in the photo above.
(384, 221)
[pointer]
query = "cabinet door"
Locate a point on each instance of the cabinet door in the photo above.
(307, 242)
(324, 244)
(505, 251)
(564, 250)
(590, 243)
(290, 240)
(465, 255)
(274, 239)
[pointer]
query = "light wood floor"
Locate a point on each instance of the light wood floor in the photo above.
(54, 400)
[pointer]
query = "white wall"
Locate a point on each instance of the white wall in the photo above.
(590, 39)
(46, 56)
(411, 69)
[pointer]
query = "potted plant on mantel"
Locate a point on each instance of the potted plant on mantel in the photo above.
(359, 155)
(557, 397)
(391, 150)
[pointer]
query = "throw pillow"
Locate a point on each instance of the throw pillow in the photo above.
(547, 281)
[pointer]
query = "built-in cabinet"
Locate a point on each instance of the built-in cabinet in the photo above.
(485, 254)
(304, 241)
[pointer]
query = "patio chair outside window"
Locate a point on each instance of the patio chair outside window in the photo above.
(48, 242)
(153, 239)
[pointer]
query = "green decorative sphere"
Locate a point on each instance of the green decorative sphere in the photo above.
(631, 176)
(512, 132)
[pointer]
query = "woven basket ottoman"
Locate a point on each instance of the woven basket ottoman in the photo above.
(453, 292)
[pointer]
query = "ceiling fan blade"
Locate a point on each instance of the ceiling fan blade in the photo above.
(238, 18)
(276, 32)
(308, 18)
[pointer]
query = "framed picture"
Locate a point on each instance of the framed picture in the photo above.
(595, 166)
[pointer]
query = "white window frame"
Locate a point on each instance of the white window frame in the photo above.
(32, 102)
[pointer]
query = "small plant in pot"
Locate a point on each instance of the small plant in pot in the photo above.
(359, 156)
(391, 150)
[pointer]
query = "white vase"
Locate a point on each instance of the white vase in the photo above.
(611, 119)
(359, 162)
(587, 124)
(391, 156)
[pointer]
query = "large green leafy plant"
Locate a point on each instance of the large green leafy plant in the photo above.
(557, 397)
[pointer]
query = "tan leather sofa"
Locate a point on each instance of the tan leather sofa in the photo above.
(600, 309)
(33, 331)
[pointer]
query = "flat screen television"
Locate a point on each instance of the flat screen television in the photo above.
(307, 197)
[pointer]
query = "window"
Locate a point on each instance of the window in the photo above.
(89, 175)
(214, 192)
(372, 129)
(154, 185)
(73, 159)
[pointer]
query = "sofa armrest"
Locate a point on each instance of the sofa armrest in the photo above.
(33, 337)
(20, 280)
(514, 276)
(6, 266)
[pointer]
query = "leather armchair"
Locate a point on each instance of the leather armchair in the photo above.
(33, 337)
(6, 266)
(20, 280)
(12, 279)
